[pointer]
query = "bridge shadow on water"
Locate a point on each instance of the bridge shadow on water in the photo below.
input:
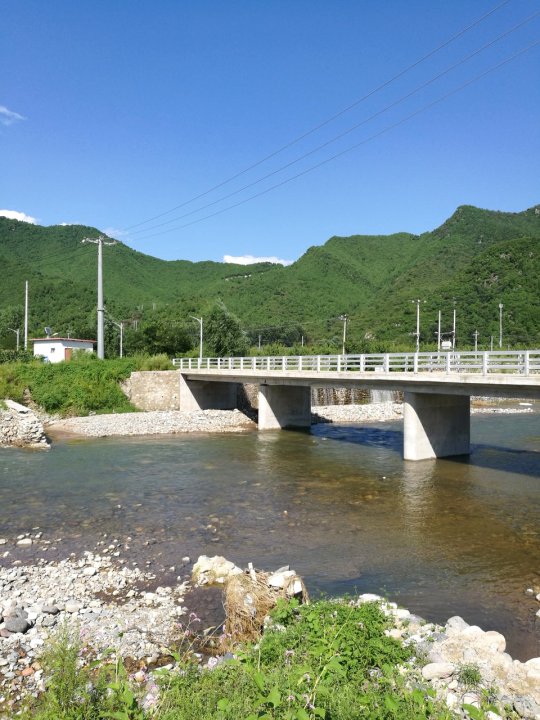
(523, 461)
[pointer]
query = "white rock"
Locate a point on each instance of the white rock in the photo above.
(369, 597)
(24, 542)
(402, 614)
(279, 579)
(3, 541)
(213, 570)
(490, 715)
(495, 640)
(89, 571)
(72, 606)
(434, 671)
(471, 698)
(456, 624)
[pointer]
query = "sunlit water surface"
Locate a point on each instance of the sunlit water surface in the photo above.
(441, 537)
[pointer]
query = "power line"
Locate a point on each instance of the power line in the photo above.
(376, 135)
(314, 129)
(348, 130)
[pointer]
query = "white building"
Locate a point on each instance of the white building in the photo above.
(57, 349)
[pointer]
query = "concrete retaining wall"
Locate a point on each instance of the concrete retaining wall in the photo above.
(154, 389)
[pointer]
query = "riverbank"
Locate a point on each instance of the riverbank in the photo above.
(221, 421)
(110, 606)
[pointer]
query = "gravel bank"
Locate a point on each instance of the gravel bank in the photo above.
(103, 600)
(153, 423)
(175, 421)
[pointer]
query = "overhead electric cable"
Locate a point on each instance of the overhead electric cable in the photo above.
(314, 129)
(355, 146)
(348, 130)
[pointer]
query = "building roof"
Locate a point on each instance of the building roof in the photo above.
(52, 339)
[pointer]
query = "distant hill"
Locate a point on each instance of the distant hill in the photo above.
(477, 257)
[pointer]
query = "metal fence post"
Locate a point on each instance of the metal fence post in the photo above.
(485, 362)
(526, 363)
(448, 364)
(415, 363)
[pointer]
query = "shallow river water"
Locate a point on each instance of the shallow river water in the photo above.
(338, 504)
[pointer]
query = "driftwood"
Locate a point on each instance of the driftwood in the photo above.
(248, 595)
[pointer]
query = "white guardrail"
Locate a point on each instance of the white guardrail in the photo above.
(516, 362)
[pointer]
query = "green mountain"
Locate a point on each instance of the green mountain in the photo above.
(477, 259)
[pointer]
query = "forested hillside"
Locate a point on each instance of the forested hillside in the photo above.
(477, 259)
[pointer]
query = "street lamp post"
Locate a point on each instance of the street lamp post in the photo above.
(417, 333)
(200, 321)
(120, 326)
(500, 324)
(17, 331)
(344, 318)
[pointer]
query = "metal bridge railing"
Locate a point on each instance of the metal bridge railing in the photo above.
(515, 362)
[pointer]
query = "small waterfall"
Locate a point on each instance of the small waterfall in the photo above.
(338, 396)
(380, 396)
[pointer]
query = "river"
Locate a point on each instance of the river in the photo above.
(442, 537)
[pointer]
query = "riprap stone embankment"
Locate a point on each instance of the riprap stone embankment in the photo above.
(20, 427)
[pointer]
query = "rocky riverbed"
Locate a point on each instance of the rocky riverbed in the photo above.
(109, 606)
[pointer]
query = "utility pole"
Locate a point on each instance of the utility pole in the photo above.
(454, 328)
(439, 334)
(500, 324)
(475, 340)
(26, 315)
(100, 241)
(344, 318)
(200, 321)
(259, 341)
(17, 331)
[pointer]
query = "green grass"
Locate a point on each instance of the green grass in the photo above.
(328, 660)
(79, 387)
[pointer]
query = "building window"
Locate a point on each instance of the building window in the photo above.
(52, 350)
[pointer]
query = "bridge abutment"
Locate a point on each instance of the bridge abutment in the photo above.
(435, 425)
(207, 395)
(282, 406)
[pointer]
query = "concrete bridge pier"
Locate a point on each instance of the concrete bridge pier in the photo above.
(435, 425)
(207, 395)
(282, 406)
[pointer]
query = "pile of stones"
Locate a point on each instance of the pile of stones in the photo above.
(20, 427)
(466, 665)
(107, 604)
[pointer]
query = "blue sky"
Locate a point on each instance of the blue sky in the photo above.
(113, 112)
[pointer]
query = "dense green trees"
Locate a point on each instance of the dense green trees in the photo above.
(477, 258)
(223, 333)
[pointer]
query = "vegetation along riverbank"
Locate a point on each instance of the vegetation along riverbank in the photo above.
(86, 638)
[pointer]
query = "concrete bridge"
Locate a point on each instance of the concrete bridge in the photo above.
(437, 388)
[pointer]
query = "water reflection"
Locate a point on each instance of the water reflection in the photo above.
(338, 503)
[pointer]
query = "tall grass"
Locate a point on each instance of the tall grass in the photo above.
(79, 387)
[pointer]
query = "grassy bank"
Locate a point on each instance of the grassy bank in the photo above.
(84, 385)
(329, 660)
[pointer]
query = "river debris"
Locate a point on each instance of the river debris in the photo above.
(249, 594)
